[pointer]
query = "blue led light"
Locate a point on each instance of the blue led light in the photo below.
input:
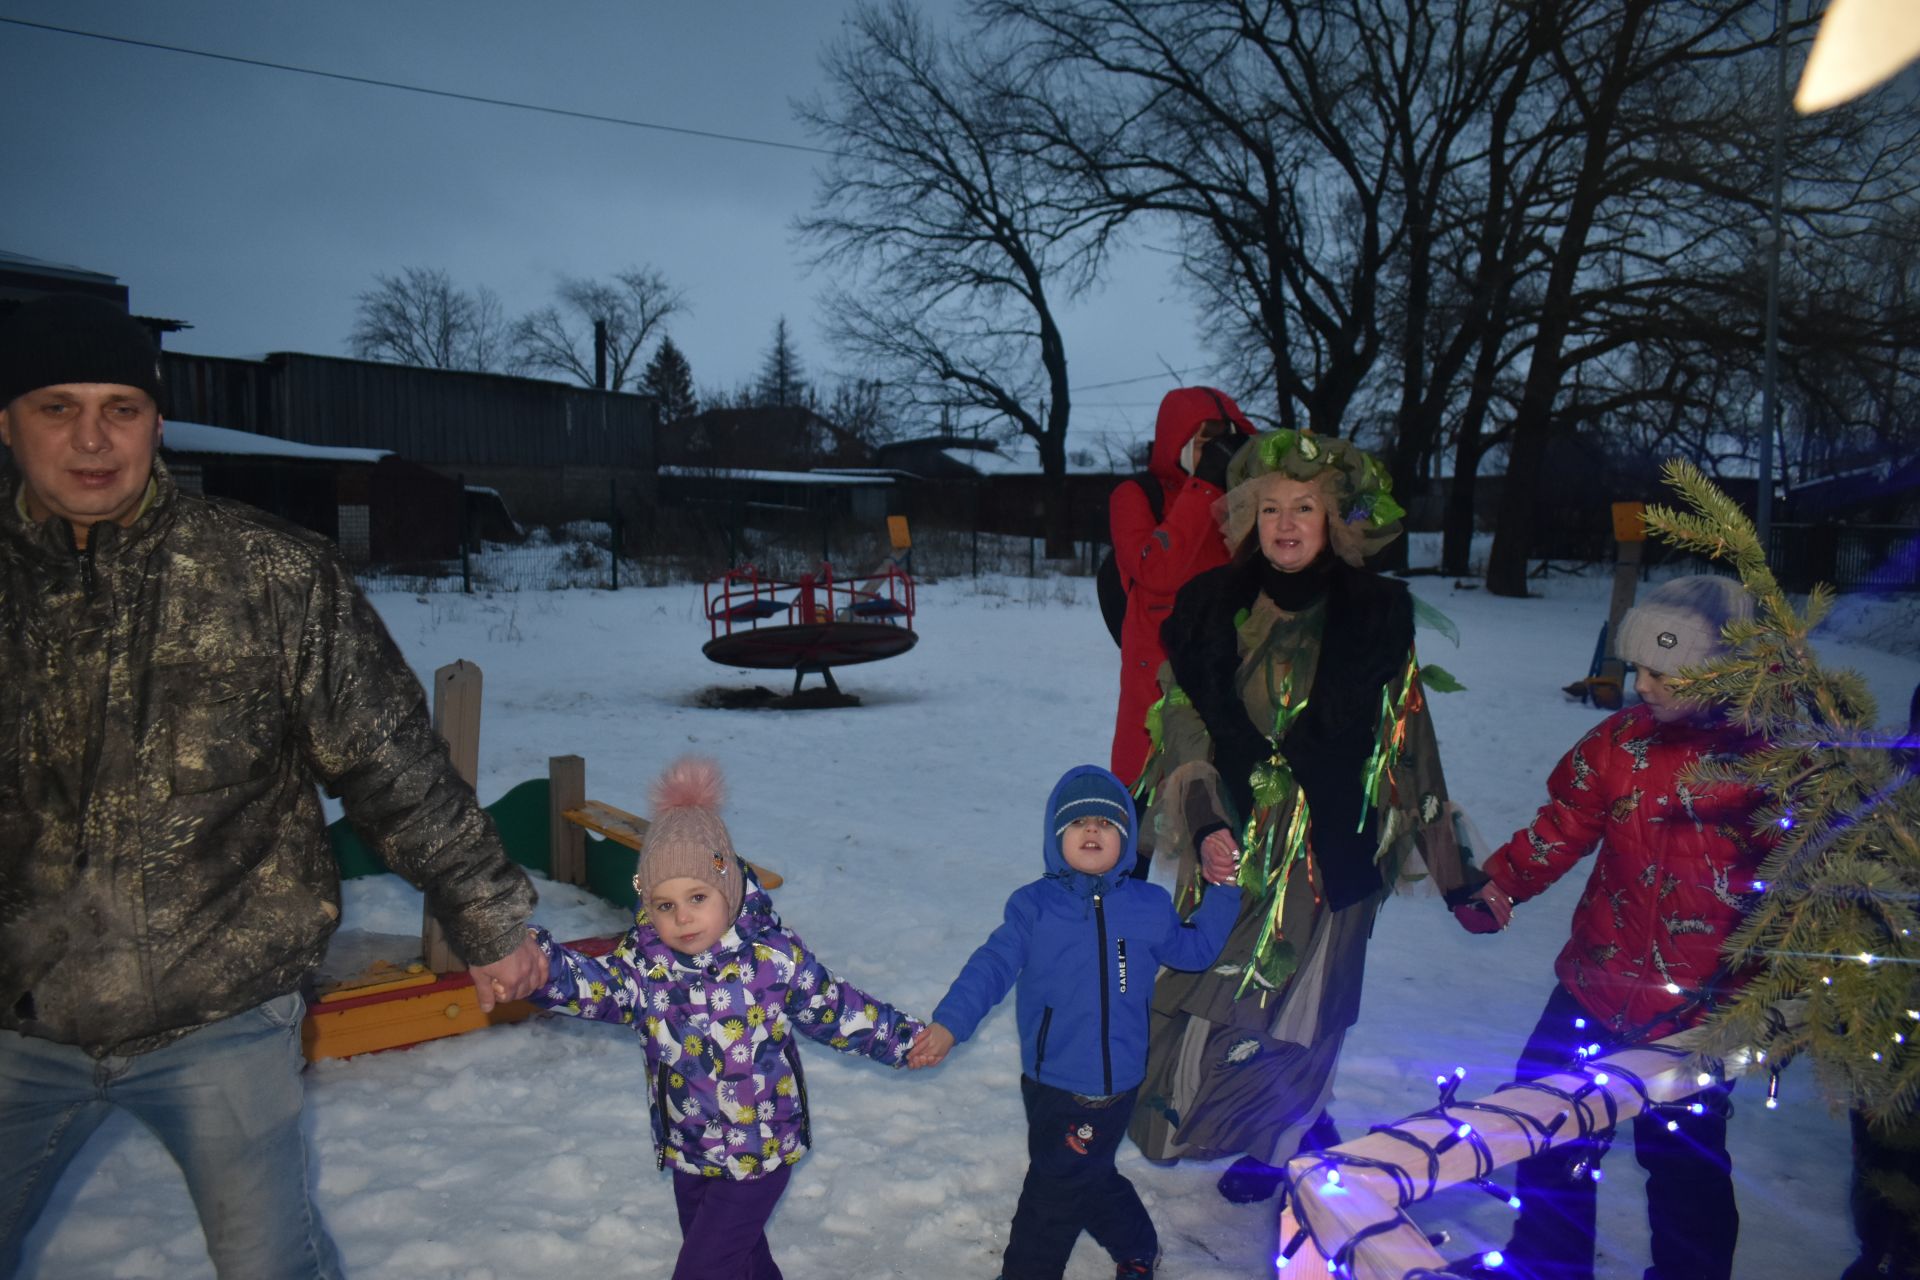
(1493, 1258)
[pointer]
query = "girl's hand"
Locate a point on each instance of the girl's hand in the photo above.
(929, 1048)
(1497, 902)
(1219, 858)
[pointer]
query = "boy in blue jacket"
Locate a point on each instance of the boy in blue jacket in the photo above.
(1083, 943)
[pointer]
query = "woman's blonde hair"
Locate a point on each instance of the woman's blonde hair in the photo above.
(1362, 516)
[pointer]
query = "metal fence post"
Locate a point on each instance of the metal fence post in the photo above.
(466, 536)
(613, 535)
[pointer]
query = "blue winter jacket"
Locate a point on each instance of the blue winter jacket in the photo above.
(1084, 950)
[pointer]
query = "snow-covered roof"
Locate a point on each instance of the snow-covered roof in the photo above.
(197, 437)
(779, 477)
(41, 266)
(1021, 457)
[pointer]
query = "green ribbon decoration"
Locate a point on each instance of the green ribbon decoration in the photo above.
(1268, 857)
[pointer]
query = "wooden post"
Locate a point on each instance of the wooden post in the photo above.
(1630, 539)
(456, 715)
(566, 842)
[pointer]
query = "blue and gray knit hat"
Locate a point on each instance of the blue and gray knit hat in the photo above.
(1092, 795)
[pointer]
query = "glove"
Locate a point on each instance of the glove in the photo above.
(1476, 916)
(1482, 908)
(1215, 454)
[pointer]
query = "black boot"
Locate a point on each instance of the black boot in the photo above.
(1321, 1135)
(1248, 1181)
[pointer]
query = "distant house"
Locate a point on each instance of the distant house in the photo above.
(771, 437)
(1886, 491)
(23, 279)
(553, 451)
(937, 457)
(376, 506)
(999, 487)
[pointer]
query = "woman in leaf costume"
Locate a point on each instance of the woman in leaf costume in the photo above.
(1293, 738)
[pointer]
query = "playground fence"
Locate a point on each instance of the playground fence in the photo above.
(602, 555)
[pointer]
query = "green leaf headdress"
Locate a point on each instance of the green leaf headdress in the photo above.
(1362, 516)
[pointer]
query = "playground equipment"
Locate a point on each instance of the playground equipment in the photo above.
(544, 825)
(823, 622)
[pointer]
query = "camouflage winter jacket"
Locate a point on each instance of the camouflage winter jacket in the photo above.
(169, 696)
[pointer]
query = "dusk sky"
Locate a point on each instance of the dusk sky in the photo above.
(255, 204)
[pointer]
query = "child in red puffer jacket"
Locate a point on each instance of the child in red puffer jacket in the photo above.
(1671, 878)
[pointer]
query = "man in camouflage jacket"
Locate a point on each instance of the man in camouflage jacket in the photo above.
(176, 673)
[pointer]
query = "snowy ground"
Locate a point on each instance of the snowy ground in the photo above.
(901, 826)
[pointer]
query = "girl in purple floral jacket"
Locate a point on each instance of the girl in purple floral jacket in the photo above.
(716, 989)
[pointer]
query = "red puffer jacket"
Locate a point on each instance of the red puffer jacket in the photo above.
(1157, 556)
(1674, 864)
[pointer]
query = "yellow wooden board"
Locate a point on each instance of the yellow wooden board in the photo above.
(630, 829)
(381, 975)
(401, 1020)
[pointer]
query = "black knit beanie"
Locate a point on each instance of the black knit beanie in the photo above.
(70, 337)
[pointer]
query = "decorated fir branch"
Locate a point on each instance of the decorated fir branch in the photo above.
(1829, 936)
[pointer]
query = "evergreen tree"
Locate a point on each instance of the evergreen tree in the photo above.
(669, 379)
(781, 380)
(1829, 933)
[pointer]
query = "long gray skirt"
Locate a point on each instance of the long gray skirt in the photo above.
(1247, 1076)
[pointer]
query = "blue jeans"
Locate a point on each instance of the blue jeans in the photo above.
(224, 1100)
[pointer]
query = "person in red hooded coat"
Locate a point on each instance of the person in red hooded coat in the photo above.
(1197, 431)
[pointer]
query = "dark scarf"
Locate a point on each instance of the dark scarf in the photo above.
(1369, 630)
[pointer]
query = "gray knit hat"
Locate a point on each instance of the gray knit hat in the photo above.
(70, 337)
(686, 837)
(1678, 625)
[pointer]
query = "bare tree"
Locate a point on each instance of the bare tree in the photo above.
(961, 242)
(559, 338)
(420, 317)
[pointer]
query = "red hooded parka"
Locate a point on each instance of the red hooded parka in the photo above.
(1157, 557)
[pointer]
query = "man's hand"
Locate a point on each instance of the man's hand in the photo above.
(930, 1047)
(511, 977)
(1219, 858)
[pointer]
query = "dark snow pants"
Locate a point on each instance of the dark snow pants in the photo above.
(1690, 1204)
(723, 1226)
(1072, 1185)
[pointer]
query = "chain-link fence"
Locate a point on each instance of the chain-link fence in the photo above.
(682, 547)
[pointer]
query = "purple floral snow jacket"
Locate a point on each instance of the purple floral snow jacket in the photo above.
(728, 1097)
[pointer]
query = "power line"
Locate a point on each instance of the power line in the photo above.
(414, 88)
(1148, 377)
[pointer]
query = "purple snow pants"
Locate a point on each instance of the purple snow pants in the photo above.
(723, 1226)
